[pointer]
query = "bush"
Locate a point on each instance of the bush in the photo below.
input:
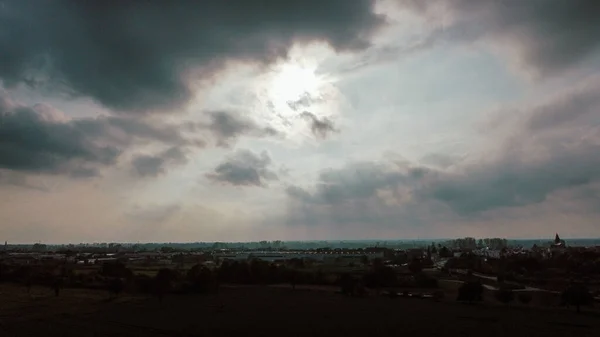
(577, 295)
(201, 279)
(347, 284)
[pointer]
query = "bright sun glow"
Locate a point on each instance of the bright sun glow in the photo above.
(291, 82)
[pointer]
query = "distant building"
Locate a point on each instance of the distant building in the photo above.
(558, 245)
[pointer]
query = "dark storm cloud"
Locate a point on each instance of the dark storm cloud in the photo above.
(154, 165)
(227, 126)
(244, 168)
(40, 139)
(545, 36)
(322, 127)
(131, 56)
(556, 148)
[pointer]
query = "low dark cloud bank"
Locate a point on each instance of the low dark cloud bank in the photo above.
(40, 139)
(244, 168)
(131, 56)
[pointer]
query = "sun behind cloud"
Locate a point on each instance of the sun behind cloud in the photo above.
(291, 81)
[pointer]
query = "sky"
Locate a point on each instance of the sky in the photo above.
(242, 120)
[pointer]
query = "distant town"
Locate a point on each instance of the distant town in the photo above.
(543, 274)
(171, 254)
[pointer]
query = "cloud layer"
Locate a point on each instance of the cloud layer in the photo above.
(244, 168)
(553, 148)
(545, 38)
(41, 139)
(132, 57)
(228, 126)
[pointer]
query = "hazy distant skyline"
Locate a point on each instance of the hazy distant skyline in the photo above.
(295, 119)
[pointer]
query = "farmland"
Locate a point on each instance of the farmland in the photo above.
(270, 311)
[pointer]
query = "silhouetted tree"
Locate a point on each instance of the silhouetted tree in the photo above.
(201, 279)
(28, 283)
(116, 269)
(163, 282)
(347, 284)
(116, 286)
(57, 285)
(445, 252)
(415, 266)
(364, 260)
(577, 295)
(293, 277)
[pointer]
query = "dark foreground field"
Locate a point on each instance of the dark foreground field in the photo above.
(267, 311)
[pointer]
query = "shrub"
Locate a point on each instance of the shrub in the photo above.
(577, 295)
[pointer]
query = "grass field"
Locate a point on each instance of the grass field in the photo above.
(273, 311)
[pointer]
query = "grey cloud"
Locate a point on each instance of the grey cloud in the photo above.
(140, 61)
(29, 143)
(244, 168)
(40, 139)
(321, 128)
(579, 107)
(387, 54)
(227, 126)
(561, 156)
(548, 36)
(439, 160)
(305, 101)
(154, 165)
(12, 178)
(365, 193)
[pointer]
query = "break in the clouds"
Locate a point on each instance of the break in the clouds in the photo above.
(244, 168)
(249, 120)
(137, 56)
